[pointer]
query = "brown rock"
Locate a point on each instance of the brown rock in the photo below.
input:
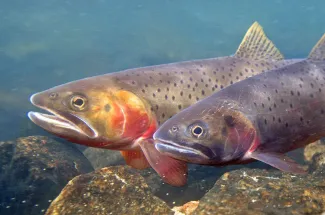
(253, 191)
(186, 209)
(111, 190)
(312, 149)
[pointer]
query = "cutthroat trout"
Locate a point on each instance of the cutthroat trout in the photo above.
(260, 118)
(122, 110)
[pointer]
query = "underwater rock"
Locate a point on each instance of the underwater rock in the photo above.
(33, 171)
(100, 158)
(186, 209)
(110, 190)
(312, 149)
(253, 191)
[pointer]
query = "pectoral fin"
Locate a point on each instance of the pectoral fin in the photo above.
(172, 171)
(135, 159)
(279, 161)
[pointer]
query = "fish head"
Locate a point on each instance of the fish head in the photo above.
(88, 112)
(206, 134)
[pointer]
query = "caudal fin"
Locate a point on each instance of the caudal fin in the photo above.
(257, 46)
(318, 52)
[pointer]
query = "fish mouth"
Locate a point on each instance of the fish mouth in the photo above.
(184, 152)
(60, 123)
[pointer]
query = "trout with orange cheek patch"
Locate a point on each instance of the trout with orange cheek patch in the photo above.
(122, 110)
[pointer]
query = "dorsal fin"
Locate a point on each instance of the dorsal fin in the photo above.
(257, 46)
(318, 52)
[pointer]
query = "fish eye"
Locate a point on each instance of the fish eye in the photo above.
(78, 102)
(197, 131)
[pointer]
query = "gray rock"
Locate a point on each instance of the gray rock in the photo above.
(100, 158)
(33, 170)
(111, 190)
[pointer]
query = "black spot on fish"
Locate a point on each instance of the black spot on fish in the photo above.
(322, 111)
(265, 121)
(287, 125)
(197, 99)
(191, 79)
(231, 82)
(157, 107)
(268, 98)
(175, 84)
(300, 85)
(154, 95)
(255, 104)
(252, 70)
(241, 74)
(163, 115)
(167, 89)
(273, 118)
(203, 92)
(319, 90)
(196, 84)
(274, 105)
(312, 85)
(213, 89)
(173, 98)
(282, 101)
(311, 95)
(146, 85)
(181, 81)
(166, 97)
(246, 70)
(223, 77)
(206, 85)
(143, 91)
(291, 106)
(181, 93)
(263, 105)
(292, 93)
(107, 107)
(158, 90)
(221, 86)
(179, 107)
(189, 96)
(298, 93)
(276, 91)
(279, 120)
(188, 86)
(270, 108)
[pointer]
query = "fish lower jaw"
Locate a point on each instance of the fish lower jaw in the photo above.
(53, 123)
(53, 120)
(177, 150)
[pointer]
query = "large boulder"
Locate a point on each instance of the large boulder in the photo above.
(33, 171)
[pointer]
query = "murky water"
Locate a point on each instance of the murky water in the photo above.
(47, 43)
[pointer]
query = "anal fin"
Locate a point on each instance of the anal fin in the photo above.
(279, 161)
(172, 171)
(256, 46)
(135, 159)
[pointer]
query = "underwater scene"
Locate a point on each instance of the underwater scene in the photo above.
(162, 107)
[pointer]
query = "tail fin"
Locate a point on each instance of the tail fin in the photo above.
(318, 52)
(256, 46)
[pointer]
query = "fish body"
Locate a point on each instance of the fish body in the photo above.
(260, 118)
(122, 110)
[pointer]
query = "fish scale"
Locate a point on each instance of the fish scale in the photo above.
(174, 87)
(260, 118)
(122, 110)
